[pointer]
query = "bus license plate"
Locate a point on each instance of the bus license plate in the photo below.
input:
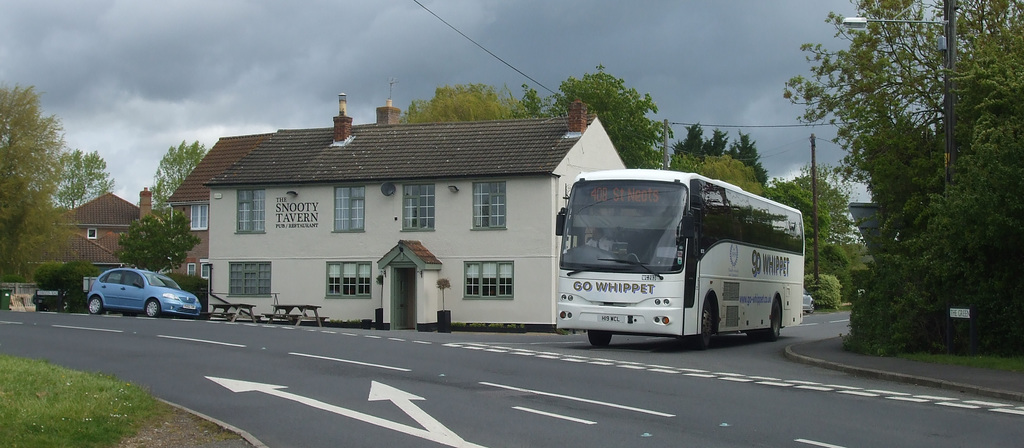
(611, 318)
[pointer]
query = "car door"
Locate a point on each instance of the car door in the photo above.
(113, 291)
(134, 291)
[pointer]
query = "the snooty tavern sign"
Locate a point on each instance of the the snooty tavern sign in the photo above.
(296, 215)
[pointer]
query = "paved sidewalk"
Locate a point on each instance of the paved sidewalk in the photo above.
(829, 354)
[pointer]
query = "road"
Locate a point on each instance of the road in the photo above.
(327, 387)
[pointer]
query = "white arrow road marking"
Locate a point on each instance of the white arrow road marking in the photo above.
(434, 431)
(402, 399)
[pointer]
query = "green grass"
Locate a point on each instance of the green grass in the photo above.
(43, 405)
(985, 362)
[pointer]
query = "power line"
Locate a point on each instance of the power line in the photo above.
(798, 125)
(482, 47)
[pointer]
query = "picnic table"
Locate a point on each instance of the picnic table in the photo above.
(231, 311)
(295, 314)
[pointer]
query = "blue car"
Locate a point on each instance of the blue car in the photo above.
(139, 291)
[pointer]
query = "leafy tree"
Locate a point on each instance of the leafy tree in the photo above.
(693, 143)
(727, 169)
(940, 244)
(174, 167)
(159, 241)
(463, 102)
(745, 150)
(623, 112)
(83, 177)
(30, 148)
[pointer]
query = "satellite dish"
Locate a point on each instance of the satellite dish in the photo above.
(387, 188)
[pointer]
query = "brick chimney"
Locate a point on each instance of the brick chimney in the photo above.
(578, 117)
(145, 202)
(388, 114)
(342, 123)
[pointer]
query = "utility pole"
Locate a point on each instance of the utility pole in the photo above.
(814, 201)
(664, 149)
(949, 87)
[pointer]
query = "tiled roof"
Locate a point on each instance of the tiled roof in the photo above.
(105, 211)
(406, 151)
(223, 154)
(421, 251)
(81, 249)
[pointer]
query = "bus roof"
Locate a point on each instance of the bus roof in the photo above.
(666, 176)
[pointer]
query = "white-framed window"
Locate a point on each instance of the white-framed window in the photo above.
(418, 207)
(251, 211)
(91, 233)
(489, 205)
(348, 279)
(204, 270)
(349, 208)
(249, 278)
(191, 269)
(489, 279)
(200, 216)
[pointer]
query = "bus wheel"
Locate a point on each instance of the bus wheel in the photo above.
(772, 334)
(599, 338)
(707, 326)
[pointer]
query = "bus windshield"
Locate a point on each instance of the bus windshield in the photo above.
(623, 226)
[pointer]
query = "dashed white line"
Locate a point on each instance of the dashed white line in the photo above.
(988, 403)
(548, 414)
(200, 340)
(815, 443)
(70, 327)
(958, 405)
(349, 361)
(1009, 411)
(581, 400)
(858, 393)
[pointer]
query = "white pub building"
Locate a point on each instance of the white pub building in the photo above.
(356, 218)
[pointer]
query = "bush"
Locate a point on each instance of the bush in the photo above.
(827, 292)
(191, 283)
(67, 279)
(12, 278)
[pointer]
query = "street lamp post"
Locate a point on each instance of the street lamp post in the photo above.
(947, 44)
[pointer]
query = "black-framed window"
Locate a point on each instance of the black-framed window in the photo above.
(251, 211)
(349, 208)
(489, 279)
(350, 279)
(249, 278)
(418, 207)
(489, 205)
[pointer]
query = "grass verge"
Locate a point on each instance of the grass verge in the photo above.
(984, 362)
(42, 404)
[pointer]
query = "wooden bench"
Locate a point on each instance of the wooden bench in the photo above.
(232, 311)
(295, 314)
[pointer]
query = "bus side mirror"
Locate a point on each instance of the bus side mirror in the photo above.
(686, 229)
(560, 222)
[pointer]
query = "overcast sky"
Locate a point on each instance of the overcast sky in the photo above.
(130, 79)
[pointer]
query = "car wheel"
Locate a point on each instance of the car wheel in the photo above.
(599, 338)
(707, 326)
(152, 308)
(95, 305)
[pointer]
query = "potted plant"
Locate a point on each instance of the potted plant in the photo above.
(444, 316)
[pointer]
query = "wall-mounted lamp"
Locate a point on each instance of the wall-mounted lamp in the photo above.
(292, 193)
(453, 188)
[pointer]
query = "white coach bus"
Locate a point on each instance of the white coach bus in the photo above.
(665, 253)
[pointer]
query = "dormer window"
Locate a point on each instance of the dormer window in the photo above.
(91, 233)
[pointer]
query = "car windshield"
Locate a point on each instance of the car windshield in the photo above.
(623, 226)
(161, 280)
